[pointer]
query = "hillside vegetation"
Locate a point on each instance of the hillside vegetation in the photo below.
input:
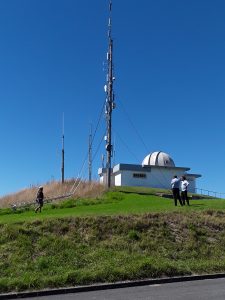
(53, 189)
(121, 235)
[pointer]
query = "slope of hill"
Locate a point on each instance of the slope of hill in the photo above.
(116, 236)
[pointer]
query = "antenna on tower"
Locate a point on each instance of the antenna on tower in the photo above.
(90, 155)
(103, 161)
(114, 151)
(110, 104)
(63, 152)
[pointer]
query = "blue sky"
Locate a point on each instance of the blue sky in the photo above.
(170, 86)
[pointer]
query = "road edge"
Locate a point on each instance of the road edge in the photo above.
(105, 286)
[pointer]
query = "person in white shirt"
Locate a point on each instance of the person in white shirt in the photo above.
(175, 184)
(184, 188)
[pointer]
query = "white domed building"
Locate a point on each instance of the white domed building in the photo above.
(156, 171)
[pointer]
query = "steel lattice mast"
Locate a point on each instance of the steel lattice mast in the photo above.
(90, 156)
(110, 105)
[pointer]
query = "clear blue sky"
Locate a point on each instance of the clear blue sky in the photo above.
(169, 59)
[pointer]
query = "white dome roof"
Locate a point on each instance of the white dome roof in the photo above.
(158, 158)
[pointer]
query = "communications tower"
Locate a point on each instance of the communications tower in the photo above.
(110, 104)
(90, 156)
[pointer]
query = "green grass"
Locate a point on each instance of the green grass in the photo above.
(121, 236)
(113, 203)
(73, 251)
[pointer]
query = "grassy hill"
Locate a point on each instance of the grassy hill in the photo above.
(128, 234)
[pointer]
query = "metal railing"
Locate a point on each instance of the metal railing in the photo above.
(209, 193)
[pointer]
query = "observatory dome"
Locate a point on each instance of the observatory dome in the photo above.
(158, 158)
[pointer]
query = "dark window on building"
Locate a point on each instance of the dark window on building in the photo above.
(139, 175)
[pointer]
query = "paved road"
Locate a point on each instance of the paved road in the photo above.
(211, 289)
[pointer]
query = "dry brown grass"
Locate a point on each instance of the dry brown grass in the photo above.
(54, 189)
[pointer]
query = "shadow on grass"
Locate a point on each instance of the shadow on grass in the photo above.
(139, 193)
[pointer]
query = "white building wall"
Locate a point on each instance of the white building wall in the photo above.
(127, 179)
(192, 184)
(157, 178)
(161, 178)
(102, 179)
(118, 180)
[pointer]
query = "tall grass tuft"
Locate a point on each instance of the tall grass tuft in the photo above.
(54, 189)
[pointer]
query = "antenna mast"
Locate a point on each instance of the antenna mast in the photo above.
(63, 152)
(90, 155)
(110, 105)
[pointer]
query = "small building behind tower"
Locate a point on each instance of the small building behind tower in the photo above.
(156, 171)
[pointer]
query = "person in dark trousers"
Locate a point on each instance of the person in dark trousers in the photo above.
(40, 199)
(184, 188)
(175, 184)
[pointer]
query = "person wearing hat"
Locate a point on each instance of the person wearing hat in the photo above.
(39, 199)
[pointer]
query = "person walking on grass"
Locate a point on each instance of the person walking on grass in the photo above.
(175, 184)
(184, 187)
(40, 199)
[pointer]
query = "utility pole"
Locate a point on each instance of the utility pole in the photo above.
(63, 152)
(110, 105)
(90, 155)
